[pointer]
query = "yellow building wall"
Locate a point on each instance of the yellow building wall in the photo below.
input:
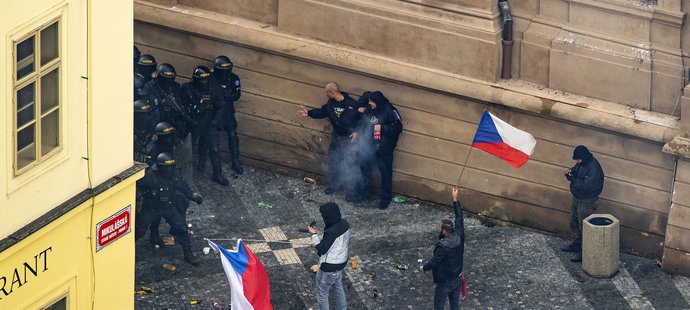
(67, 263)
(96, 94)
(111, 40)
(26, 197)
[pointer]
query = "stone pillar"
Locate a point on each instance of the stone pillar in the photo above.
(676, 257)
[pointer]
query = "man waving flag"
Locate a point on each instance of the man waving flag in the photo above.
(248, 278)
(499, 138)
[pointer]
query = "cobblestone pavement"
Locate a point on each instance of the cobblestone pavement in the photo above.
(506, 267)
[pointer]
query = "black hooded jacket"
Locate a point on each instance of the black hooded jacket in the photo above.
(342, 114)
(448, 252)
(586, 178)
(385, 115)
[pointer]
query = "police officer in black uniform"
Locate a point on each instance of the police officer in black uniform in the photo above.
(226, 85)
(165, 140)
(166, 95)
(167, 193)
(146, 66)
(144, 128)
(206, 112)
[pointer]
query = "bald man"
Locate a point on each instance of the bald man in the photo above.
(341, 111)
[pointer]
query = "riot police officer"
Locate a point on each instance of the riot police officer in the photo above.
(167, 193)
(227, 86)
(144, 118)
(165, 141)
(206, 113)
(165, 93)
(146, 66)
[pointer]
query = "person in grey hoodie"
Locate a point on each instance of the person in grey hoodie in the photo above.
(332, 251)
(446, 264)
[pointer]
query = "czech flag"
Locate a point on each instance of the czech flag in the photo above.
(499, 138)
(247, 276)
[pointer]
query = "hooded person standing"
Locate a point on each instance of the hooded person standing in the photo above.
(332, 250)
(586, 183)
(446, 264)
(380, 126)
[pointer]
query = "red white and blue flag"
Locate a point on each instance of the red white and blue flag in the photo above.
(248, 278)
(499, 138)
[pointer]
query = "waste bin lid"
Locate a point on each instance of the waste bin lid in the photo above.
(600, 221)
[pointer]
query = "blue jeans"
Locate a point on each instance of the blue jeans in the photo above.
(324, 282)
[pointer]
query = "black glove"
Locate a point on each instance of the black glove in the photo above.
(197, 198)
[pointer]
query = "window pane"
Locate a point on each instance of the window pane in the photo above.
(49, 132)
(26, 148)
(25, 104)
(49, 43)
(60, 305)
(25, 57)
(49, 90)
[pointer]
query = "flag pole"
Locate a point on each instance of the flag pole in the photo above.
(250, 240)
(463, 166)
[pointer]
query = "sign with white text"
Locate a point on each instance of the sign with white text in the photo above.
(113, 228)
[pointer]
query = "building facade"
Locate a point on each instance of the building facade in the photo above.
(67, 178)
(608, 74)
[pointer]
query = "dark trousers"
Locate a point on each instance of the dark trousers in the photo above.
(172, 216)
(208, 139)
(447, 291)
(339, 163)
(384, 161)
(233, 140)
(579, 211)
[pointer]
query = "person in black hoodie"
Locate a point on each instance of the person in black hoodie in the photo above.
(446, 264)
(380, 126)
(341, 111)
(586, 183)
(332, 251)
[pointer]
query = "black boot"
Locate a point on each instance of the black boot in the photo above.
(190, 258)
(218, 172)
(234, 146)
(573, 247)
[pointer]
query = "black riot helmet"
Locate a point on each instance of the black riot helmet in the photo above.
(164, 129)
(143, 106)
(200, 76)
(137, 53)
(165, 74)
(166, 163)
(146, 65)
(138, 81)
(167, 71)
(223, 62)
(142, 110)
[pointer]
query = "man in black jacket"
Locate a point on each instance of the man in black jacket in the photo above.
(341, 111)
(446, 264)
(380, 126)
(332, 252)
(586, 183)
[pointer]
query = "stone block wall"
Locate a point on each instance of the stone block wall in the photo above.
(284, 61)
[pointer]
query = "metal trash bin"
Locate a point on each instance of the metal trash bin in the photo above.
(600, 245)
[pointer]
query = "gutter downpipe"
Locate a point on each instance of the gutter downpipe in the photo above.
(507, 38)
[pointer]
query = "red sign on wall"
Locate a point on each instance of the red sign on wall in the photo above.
(113, 228)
